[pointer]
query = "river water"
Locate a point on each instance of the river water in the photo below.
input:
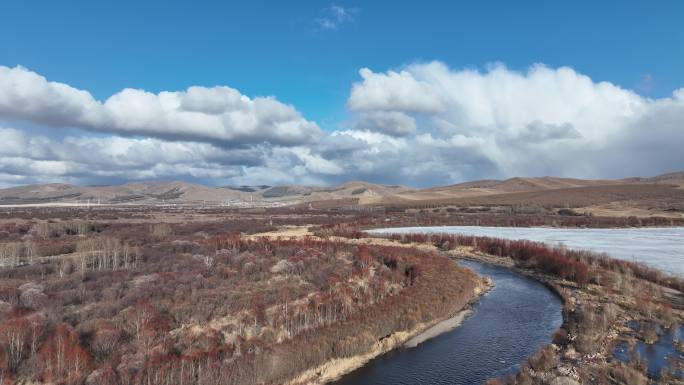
(508, 325)
(662, 248)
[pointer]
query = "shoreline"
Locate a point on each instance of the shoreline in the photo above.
(582, 347)
(438, 329)
(377, 230)
(576, 299)
(655, 248)
(450, 323)
(334, 369)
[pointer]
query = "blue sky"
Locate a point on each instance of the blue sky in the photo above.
(277, 48)
(308, 54)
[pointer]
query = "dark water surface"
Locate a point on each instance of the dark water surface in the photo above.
(508, 325)
(656, 355)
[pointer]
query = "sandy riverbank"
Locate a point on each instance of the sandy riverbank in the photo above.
(439, 328)
(336, 368)
(588, 354)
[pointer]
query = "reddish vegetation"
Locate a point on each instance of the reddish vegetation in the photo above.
(519, 217)
(567, 264)
(134, 301)
(13, 220)
(554, 261)
(193, 304)
(600, 296)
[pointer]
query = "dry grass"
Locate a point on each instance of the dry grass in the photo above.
(656, 194)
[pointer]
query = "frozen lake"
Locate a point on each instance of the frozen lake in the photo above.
(662, 248)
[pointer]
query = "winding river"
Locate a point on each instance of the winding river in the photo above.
(508, 325)
(517, 316)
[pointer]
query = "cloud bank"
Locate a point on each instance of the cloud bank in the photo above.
(422, 124)
(500, 123)
(220, 115)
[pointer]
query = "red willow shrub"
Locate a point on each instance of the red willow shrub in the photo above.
(62, 357)
(552, 261)
(568, 264)
(206, 307)
(535, 255)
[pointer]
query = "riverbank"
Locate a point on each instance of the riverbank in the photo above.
(336, 368)
(420, 332)
(597, 317)
(596, 312)
(439, 328)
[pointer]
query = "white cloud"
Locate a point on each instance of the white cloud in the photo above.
(220, 114)
(82, 159)
(423, 124)
(501, 123)
(499, 99)
(334, 16)
(31, 158)
(389, 122)
(398, 91)
(315, 163)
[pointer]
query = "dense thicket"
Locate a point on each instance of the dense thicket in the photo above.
(190, 304)
(606, 293)
(565, 263)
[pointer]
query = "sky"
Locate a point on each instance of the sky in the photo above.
(317, 92)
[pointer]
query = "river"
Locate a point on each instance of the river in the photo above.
(508, 325)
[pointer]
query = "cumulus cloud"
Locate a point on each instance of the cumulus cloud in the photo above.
(422, 124)
(394, 91)
(389, 122)
(220, 115)
(498, 99)
(30, 158)
(501, 123)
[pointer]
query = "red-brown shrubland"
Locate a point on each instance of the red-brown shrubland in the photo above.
(150, 304)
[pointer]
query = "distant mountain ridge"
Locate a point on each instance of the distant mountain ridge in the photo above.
(180, 192)
(170, 192)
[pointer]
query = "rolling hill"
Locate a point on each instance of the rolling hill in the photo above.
(663, 194)
(179, 192)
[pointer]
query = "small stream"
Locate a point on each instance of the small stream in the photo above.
(509, 324)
